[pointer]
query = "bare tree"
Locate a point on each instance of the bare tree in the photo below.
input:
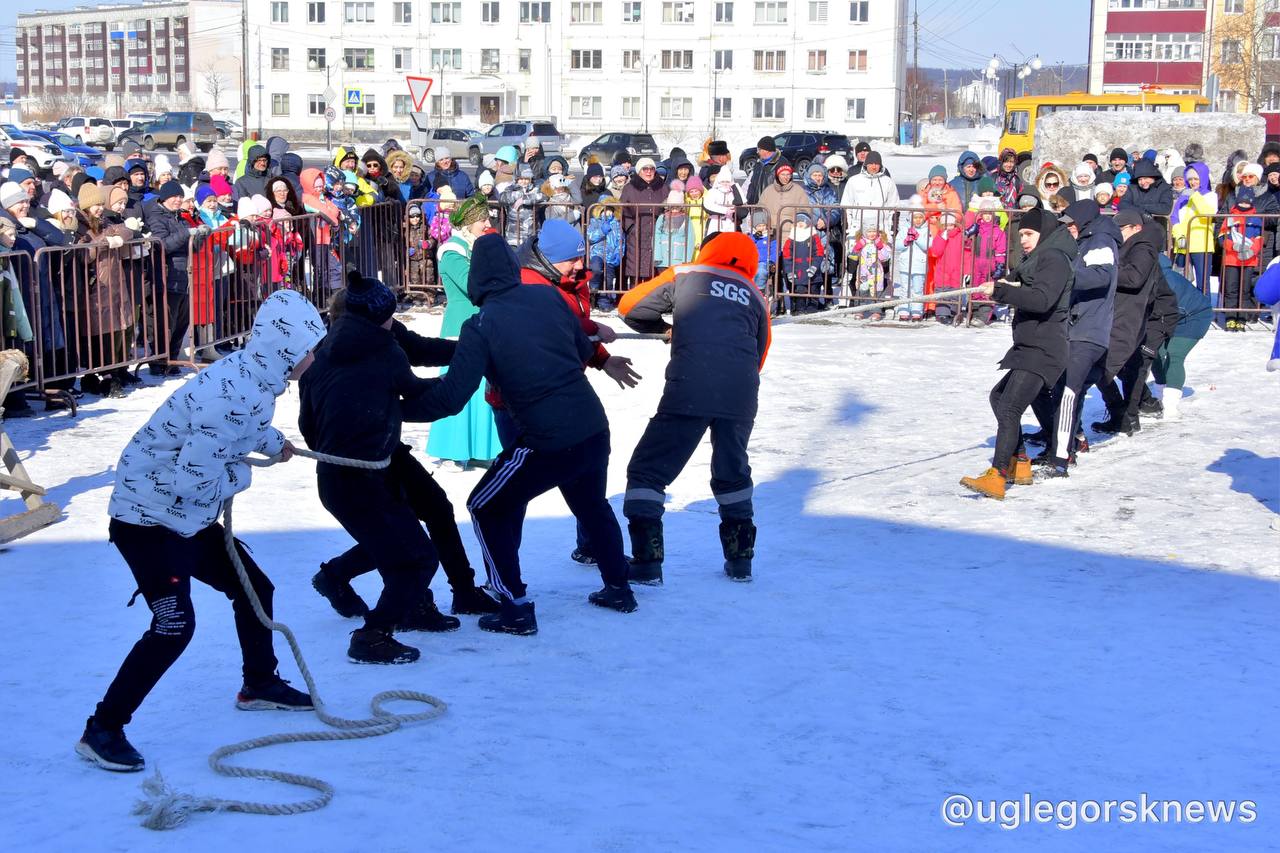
(1247, 55)
(215, 82)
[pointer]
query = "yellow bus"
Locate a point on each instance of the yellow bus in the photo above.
(1020, 114)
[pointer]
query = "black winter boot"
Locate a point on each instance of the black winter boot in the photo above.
(1112, 425)
(339, 593)
(511, 619)
(370, 645)
(273, 695)
(583, 557)
(646, 550)
(619, 598)
(473, 601)
(425, 616)
(738, 538)
(108, 748)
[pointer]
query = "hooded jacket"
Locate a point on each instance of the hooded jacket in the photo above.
(1045, 192)
(639, 224)
(1157, 201)
(276, 148)
(291, 170)
(189, 457)
(576, 291)
(1139, 270)
(867, 190)
(174, 234)
(454, 178)
(822, 195)
(1192, 223)
(1042, 302)
(253, 181)
(966, 188)
(720, 329)
(382, 188)
(1095, 270)
(527, 342)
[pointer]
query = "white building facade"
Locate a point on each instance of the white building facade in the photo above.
(111, 59)
(672, 67)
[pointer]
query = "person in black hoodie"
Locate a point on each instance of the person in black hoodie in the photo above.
(527, 343)
(1162, 319)
(1148, 192)
(167, 226)
(256, 171)
(351, 406)
(291, 170)
(1093, 292)
(1040, 289)
(1139, 269)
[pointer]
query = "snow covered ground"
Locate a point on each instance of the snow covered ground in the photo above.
(1088, 639)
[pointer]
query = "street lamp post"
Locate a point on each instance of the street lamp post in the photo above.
(647, 63)
(1025, 68)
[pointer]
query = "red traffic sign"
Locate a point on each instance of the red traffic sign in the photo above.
(418, 89)
(330, 114)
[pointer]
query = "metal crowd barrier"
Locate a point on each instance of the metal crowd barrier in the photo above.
(1230, 286)
(16, 303)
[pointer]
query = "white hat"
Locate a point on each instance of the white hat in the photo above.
(645, 163)
(11, 194)
(261, 204)
(532, 142)
(189, 191)
(441, 153)
(724, 176)
(836, 161)
(163, 166)
(1083, 170)
(59, 168)
(59, 202)
(246, 208)
(1252, 169)
(486, 179)
(186, 151)
(558, 181)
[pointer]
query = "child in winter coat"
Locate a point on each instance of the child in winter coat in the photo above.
(911, 250)
(1108, 204)
(1241, 237)
(871, 251)
(604, 234)
(766, 249)
(421, 264)
(559, 201)
(440, 229)
(171, 481)
(802, 261)
(985, 253)
(693, 193)
(673, 235)
(947, 250)
(520, 201)
(720, 203)
(1120, 188)
(286, 249)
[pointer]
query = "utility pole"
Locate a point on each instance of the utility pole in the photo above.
(244, 66)
(915, 75)
(259, 82)
(1059, 78)
(328, 125)
(946, 98)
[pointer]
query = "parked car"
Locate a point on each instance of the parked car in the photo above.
(123, 124)
(88, 130)
(228, 129)
(69, 149)
(42, 151)
(802, 147)
(173, 129)
(462, 143)
(516, 132)
(6, 148)
(605, 146)
(143, 117)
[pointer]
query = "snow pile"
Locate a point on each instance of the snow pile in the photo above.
(1063, 138)
(904, 641)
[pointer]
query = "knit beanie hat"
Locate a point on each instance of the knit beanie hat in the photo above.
(474, 209)
(168, 190)
(89, 195)
(618, 172)
(1121, 180)
(1244, 197)
(220, 185)
(1039, 220)
(117, 160)
(873, 157)
(59, 168)
(485, 179)
(163, 166)
(12, 193)
(645, 163)
(117, 194)
(766, 143)
(694, 183)
(246, 208)
(986, 185)
(203, 193)
(369, 298)
(59, 202)
(559, 241)
(216, 160)
(19, 175)
(1118, 154)
(938, 171)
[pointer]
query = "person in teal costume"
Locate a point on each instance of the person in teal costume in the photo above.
(469, 437)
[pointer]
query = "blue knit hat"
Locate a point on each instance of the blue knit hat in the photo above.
(369, 298)
(938, 171)
(1121, 180)
(559, 241)
(19, 174)
(203, 192)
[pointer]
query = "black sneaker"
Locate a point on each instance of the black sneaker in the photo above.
(369, 645)
(339, 594)
(274, 695)
(1110, 426)
(580, 556)
(619, 598)
(425, 616)
(109, 749)
(511, 618)
(1039, 438)
(473, 601)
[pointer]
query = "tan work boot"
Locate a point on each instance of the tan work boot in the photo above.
(990, 484)
(1020, 470)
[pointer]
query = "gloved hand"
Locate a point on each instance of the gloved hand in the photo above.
(426, 244)
(133, 223)
(811, 271)
(912, 235)
(998, 272)
(115, 241)
(971, 230)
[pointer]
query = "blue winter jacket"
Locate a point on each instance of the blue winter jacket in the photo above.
(966, 188)
(606, 239)
(529, 345)
(455, 178)
(1097, 268)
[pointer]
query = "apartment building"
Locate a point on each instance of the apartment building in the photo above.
(117, 58)
(669, 66)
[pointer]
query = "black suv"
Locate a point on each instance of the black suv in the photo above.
(605, 146)
(802, 147)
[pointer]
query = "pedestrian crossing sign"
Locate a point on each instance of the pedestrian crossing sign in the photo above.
(353, 98)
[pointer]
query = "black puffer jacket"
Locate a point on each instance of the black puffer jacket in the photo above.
(1041, 300)
(1157, 201)
(1093, 290)
(168, 227)
(1139, 269)
(253, 181)
(762, 176)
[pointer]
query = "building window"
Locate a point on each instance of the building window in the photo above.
(1159, 4)
(677, 108)
(368, 108)
(357, 13)
(525, 60)
(768, 108)
(358, 58)
(1165, 47)
(817, 11)
(586, 12)
(402, 58)
(585, 107)
(771, 12)
(443, 13)
(724, 13)
(723, 60)
(279, 59)
(535, 13)
(631, 108)
(724, 108)
(401, 105)
(279, 13)
(631, 11)
(316, 58)
(402, 13)
(581, 60)
(857, 60)
(631, 60)
(1269, 97)
(316, 105)
(315, 13)
(855, 109)
(678, 12)
(523, 103)
(1233, 7)
(858, 11)
(677, 60)
(452, 105)
(446, 58)
(815, 108)
(489, 12)
(490, 58)
(1231, 52)
(771, 60)
(817, 62)
(279, 104)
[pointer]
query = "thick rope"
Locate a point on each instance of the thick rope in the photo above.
(938, 296)
(165, 808)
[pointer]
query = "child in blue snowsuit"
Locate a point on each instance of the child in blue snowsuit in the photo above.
(604, 233)
(766, 249)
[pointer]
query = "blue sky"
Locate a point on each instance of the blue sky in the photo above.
(952, 34)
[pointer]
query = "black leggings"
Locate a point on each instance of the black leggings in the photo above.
(1009, 399)
(163, 564)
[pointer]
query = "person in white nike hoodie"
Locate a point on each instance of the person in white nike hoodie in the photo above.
(171, 482)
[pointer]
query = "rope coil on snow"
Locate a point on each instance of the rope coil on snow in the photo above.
(165, 808)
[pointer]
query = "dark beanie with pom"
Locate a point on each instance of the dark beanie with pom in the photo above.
(369, 298)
